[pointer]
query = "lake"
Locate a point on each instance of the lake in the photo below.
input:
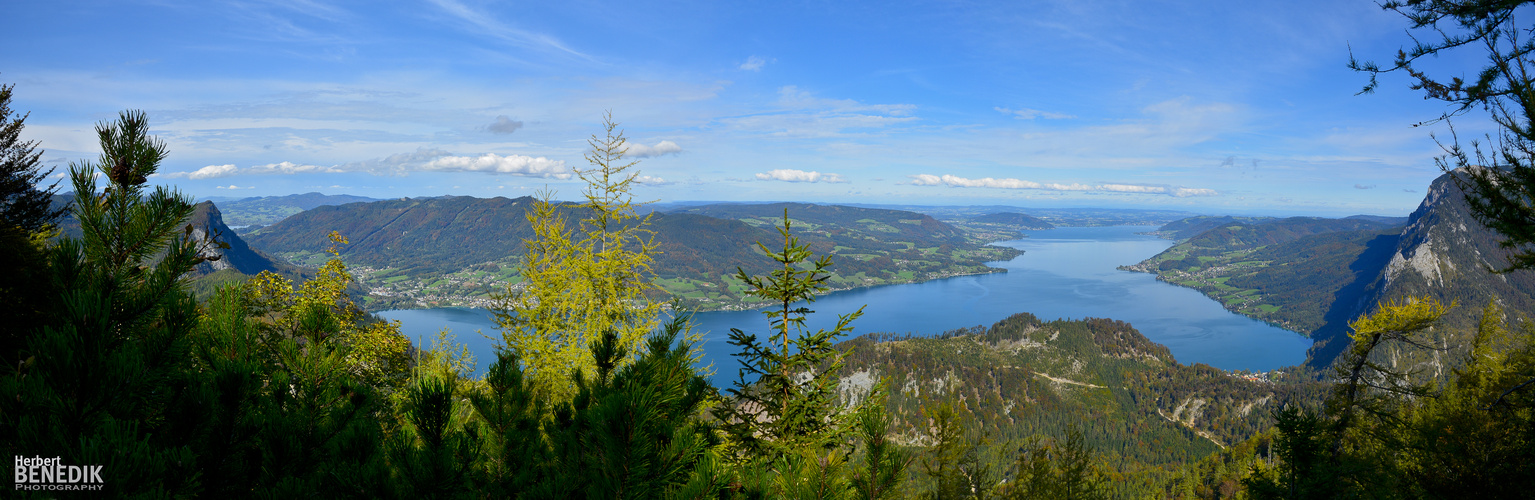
(1063, 273)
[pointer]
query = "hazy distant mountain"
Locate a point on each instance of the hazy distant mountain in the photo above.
(266, 210)
(1394, 221)
(1059, 217)
(1183, 229)
(1013, 219)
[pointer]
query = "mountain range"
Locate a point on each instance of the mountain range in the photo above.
(247, 213)
(459, 250)
(1314, 276)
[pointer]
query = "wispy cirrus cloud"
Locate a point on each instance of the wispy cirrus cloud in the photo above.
(993, 183)
(1030, 114)
(794, 175)
(489, 25)
(802, 114)
(753, 63)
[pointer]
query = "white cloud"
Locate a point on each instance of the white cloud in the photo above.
(653, 181)
(1030, 114)
(493, 163)
(208, 172)
(437, 160)
(753, 63)
(400, 164)
(988, 182)
(793, 175)
(288, 167)
(232, 186)
(661, 148)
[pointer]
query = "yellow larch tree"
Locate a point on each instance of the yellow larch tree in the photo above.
(578, 282)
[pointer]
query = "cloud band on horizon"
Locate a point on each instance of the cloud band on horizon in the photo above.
(401, 164)
(988, 182)
(795, 175)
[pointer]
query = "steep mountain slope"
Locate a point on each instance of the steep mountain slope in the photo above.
(1443, 253)
(235, 264)
(239, 256)
(1313, 276)
(459, 250)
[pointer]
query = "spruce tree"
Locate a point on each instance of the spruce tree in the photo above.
(24, 203)
(26, 217)
(784, 401)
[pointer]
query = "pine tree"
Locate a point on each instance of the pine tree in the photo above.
(884, 462)
(512, 409)
(100, 380)
(633, 429)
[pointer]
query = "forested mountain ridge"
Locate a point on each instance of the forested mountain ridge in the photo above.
(1315, 284)
(458, 250)
(1021, 377)
(1013, 219)
(1287, 272)
(1183, 229)
(838, 223)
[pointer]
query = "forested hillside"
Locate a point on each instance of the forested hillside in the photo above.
(1144, 413)
(459, 250)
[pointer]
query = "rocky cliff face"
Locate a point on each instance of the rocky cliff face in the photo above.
(1443, 253)
(239, 256)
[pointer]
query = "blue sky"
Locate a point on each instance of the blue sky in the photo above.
(1216, 107)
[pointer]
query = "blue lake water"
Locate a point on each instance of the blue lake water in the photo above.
(1063, 273)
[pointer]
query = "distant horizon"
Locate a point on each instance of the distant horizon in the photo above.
(673, 203)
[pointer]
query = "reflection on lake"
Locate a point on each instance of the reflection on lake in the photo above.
(1064, 273)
